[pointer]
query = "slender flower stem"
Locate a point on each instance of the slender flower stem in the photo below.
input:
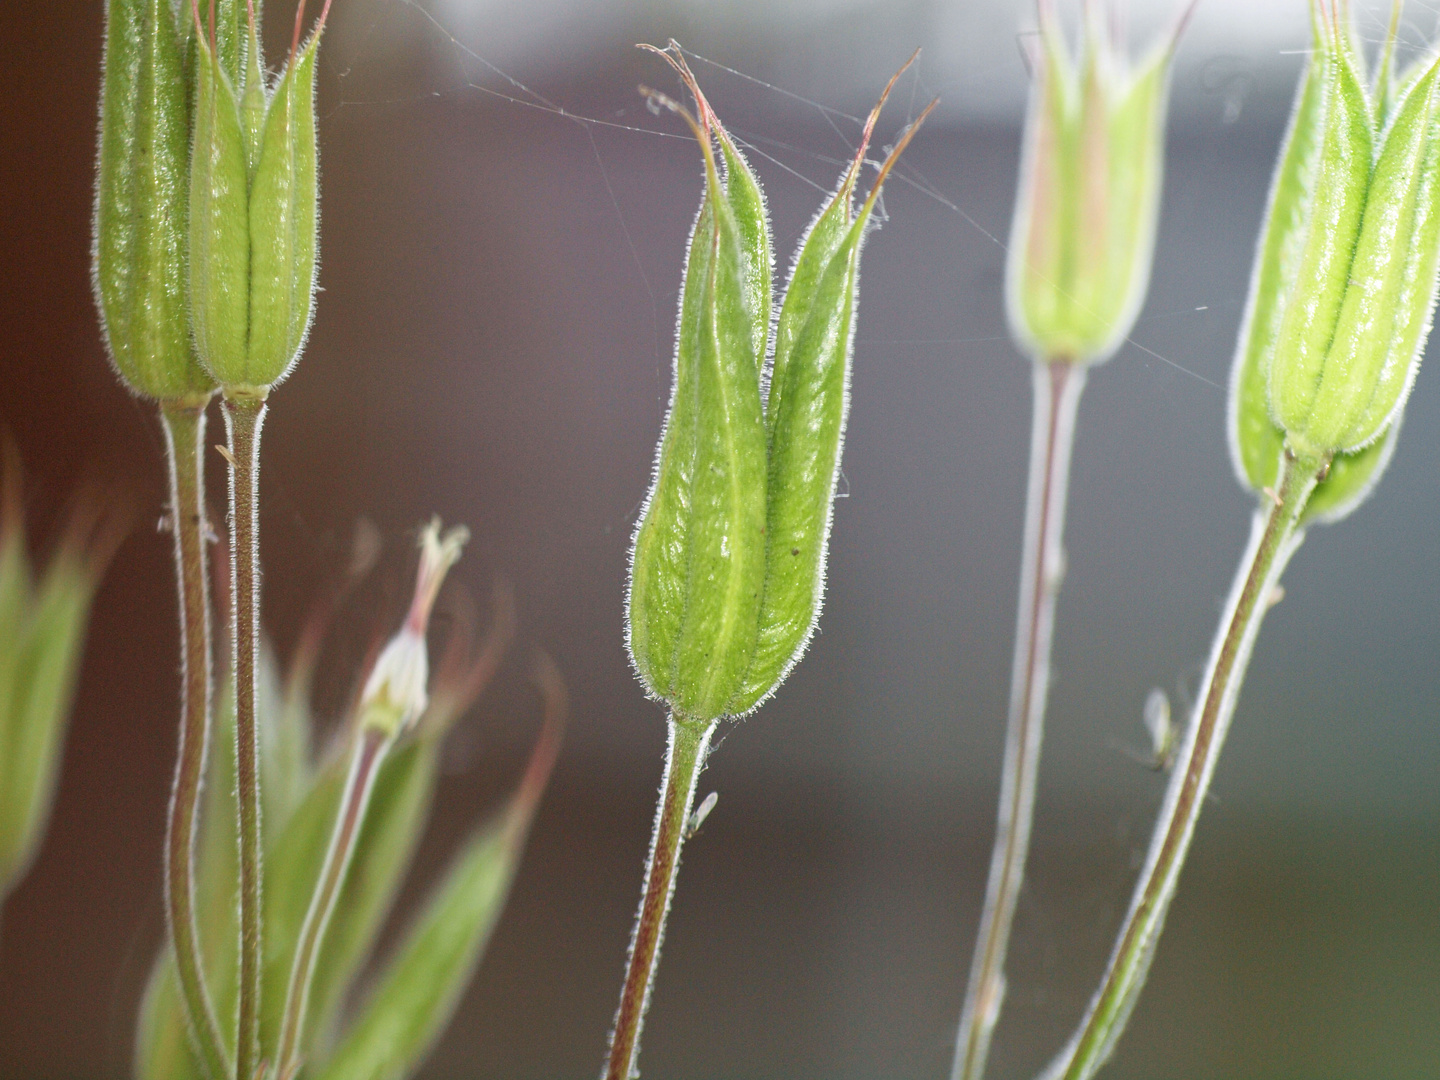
(689, 742)
(1274, 537)
(184, 424)
(1058, 384)
(370, 751)
(244, 417)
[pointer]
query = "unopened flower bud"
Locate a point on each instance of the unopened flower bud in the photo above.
(396, 694)
(1084, 227)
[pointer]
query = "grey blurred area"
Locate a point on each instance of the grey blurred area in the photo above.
(503, 229)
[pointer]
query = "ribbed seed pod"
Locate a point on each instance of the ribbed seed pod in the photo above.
(254, 216)
(699, 556)
(1344, 279)
(728, 567)
(141, 204)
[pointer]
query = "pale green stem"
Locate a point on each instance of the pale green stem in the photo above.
(1058, 384)
(184, 424)
(244, 418)
(370, 751)
(689, 743)
(1274, 536)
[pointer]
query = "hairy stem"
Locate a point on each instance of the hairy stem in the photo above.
(1058, 384)
(1274, 536)
(244, 418)
(184, 424)
(370, 751)
(689, 741)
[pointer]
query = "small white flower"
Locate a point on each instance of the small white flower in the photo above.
(395, 694)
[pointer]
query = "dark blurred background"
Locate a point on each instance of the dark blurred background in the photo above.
(503, 230)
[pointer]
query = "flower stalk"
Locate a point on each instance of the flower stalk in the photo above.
(359, 784)
(184, 426)
(1058, 385)
(689, 742)
(1080, 252)
(244, 418)
(1275, 535)
(394, 698)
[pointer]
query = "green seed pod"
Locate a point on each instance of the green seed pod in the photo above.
(728, 565)
(699, 555)
(1084, 227)
(254, 200)
(805, 416)
(284, 201)
(1344, 279)
(141, 202)
(219, 224)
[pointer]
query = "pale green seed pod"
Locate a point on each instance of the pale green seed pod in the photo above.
(254, 217)
(141, 203)
(1344, 280)
(725, 591)
(1084, 228)
(699, 555)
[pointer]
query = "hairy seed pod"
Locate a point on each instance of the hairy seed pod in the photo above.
(219, 224)
(728, 566)
(1084, 228)
(1344, 280)
(141, 202)
(699, 555)
(284, 202)
(254, 216)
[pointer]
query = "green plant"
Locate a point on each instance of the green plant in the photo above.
(1077, 269)
(728, 567)
(1340, 303)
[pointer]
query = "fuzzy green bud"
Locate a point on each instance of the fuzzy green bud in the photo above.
(254, 214)
(727, 571)
(141, 203)
(1084, 228)
(1345, 276)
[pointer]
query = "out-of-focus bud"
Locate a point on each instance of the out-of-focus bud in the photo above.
(141, 197)
(1345, 276)
(396, 692)
(1084, 228)
(254, 212)
(727, 572)
(42, 633)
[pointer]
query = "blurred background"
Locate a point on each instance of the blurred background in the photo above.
(503, 230)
